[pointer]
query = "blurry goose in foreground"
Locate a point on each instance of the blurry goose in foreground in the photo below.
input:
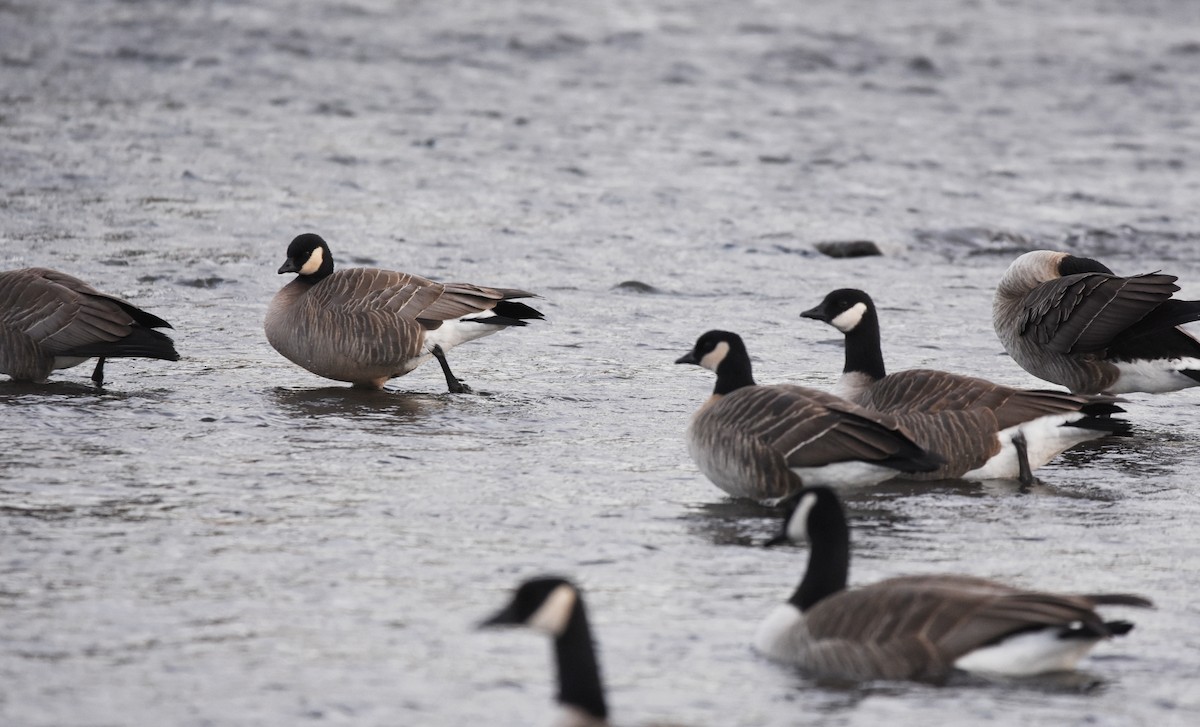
(983, 429)
(50, 320)
(766, 442)
(920, 627)
(555, 606)
(1069, 320)
(366, 325)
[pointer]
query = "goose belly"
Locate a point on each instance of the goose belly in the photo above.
(460, 330)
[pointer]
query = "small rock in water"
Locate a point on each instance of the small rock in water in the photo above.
(848, 248)
(636, 286)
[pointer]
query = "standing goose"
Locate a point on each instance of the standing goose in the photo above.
(766, 442)
(555, 606)
(366, 325)
(920, 627)
(50, 320)
(1069, 320)
(983, 429)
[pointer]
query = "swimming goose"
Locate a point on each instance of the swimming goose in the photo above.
(920, 627)
(766, 442)
(1001, 432)
(50, 320)
(555, 606)
(366, 325)
(1070, 320)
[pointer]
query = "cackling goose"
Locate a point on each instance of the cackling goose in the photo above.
(366, 325)
(50, 320)
(1069, 320)
(982, 429)
(920, 627)
(766, 442)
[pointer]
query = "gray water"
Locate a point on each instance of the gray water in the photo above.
(229, 540)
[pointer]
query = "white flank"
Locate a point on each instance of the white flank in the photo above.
(848, 319)
(460, 330)
(776, 637)
(66, 362)
(845, 474)
(554, 613)
(713, 358)
(1045, 438)
(1026, 654)
(1154, 376)
(313, 263)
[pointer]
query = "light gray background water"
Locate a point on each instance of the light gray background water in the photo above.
(231, 541)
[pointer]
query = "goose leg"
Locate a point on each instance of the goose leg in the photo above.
(452, 383)
(98, 372)
(1026, 472)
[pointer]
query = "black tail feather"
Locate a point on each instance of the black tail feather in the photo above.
(1114, 427)
(514, 310)
(140, 343)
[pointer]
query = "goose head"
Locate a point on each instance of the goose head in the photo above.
(844, 309)
(724, 354)
(309, 256)
(544, 604)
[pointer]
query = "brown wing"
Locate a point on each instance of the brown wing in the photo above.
(811, 428)
(60, 312)
(919, 625)
(1084, 312)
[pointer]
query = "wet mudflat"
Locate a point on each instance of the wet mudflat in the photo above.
(231, 541)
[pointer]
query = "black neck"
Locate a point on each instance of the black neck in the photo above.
(828, 564)
(578, 671)
(324, 271)
(863, 352)
(734, 372)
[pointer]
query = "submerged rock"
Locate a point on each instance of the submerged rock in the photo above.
(848, 248)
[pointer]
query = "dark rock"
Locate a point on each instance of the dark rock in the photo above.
(848, 248)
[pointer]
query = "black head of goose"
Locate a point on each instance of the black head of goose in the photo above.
(50, 320)
(366, 325)
(766, 442)
(1071, 321)
(983, 429)
(554, 606)
(920, 627)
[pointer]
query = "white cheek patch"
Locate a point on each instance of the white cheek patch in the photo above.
(713, 358)
(849, 318)
(313, 264)
(554, 613)
(797, 527)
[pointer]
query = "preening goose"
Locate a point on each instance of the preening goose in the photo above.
(50, 320)
(366, 326)
(982, 429)
(766, 442)
(555, 606)
(920, 627)
(1070, 320)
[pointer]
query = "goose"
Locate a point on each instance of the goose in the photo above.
(920, 627)
(366, 326)
(984, 430)
(766, 442)
(1071, 321)
(555, 606)
(50, 320)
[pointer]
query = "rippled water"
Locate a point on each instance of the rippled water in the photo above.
(231, 541)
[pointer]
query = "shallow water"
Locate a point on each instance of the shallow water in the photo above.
(231, 541)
